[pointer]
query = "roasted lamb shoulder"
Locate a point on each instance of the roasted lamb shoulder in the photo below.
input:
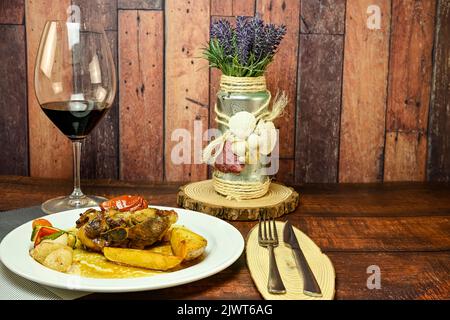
(129, 229)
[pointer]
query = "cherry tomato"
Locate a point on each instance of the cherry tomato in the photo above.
(125, 203)
(41, 222)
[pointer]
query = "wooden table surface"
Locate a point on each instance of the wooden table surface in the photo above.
(404, 228)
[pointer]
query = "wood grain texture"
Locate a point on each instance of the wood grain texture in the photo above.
(375, 200)
(439, 130)
(398, 226)
(13, 101)
(326, 16)
(381, 135)
(319, 107)
(286, 171)
(187, 79)
(12, 11)
(221, 7)
(244, 7)
(405, 156)
(364, 93)
(100, 159)
(214, 86)
(101, 147)
(101, 12)
(412, 276)
(141, 95)
(214, 83)
(214, 77)
(50, 153)
(279, 201)
(389, 234)
(141, 4)
(40, 189)
(412, 35)
(404, 277)
(281, 73)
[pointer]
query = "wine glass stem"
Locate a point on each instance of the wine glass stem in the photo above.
(77, 194)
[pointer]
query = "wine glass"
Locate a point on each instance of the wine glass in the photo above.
(75, 84)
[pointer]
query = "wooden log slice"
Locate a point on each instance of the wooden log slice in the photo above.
(201, 196)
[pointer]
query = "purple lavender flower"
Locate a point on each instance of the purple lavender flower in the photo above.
(244, 39)
(273, 37)
(223, 32)
(247, 49)
(259, 41)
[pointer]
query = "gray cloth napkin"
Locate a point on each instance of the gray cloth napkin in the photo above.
(14, 287)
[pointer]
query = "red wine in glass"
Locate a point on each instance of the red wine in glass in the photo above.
(75, 84)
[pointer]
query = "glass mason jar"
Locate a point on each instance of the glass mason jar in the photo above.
(229, 103)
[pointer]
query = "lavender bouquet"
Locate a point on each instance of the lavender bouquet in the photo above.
(243, 51)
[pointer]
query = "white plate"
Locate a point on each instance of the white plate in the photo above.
(225, 245)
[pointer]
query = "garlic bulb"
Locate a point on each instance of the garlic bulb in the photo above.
(252, 141)
(242, 124)
(253, 156)
(239, 148)
(267, 138)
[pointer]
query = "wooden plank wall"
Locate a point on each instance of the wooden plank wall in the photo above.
(367, 81)
(141, 98)
(13, 128)
(13, 89)
(187, 86)
(408, 103)
(282, 74)
(366, 59)
(439, 128)
(101, 150)
(319, 91)
(49, 150)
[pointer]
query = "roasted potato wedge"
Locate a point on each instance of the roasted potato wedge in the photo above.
(142, 258)
(182, 239)
(167, 235)
(163, 249)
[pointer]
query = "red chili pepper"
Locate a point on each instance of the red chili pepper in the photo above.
(125, 203)
(44, 232)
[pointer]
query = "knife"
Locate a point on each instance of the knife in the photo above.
(310, 285)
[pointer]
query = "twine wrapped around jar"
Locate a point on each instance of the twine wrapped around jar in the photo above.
(238, 94)
(242, 84)
(240, 190)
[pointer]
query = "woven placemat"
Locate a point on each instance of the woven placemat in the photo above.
(9, 220)
(258, 264)
(201, 196)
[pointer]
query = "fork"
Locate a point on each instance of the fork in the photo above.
(269, 239)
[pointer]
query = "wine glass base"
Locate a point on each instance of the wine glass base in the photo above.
(66, 203)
